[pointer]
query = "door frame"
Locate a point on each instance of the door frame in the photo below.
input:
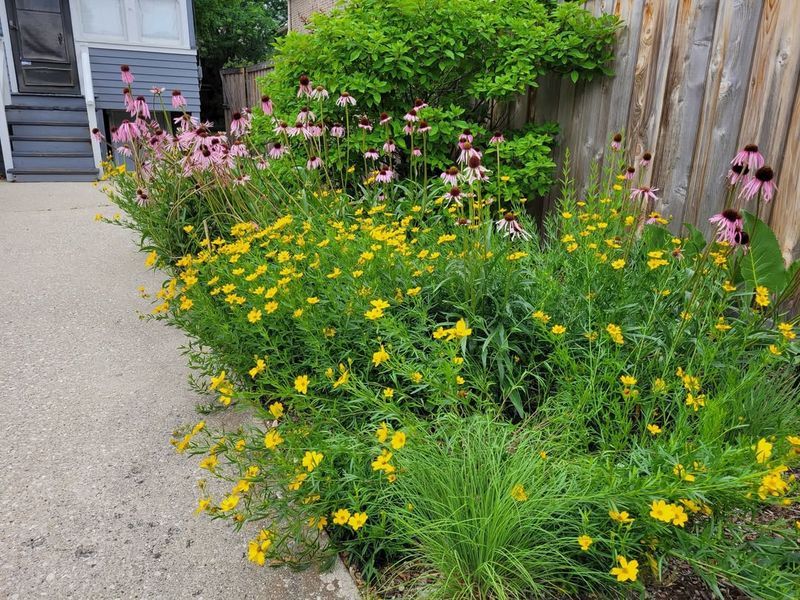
(12, 51)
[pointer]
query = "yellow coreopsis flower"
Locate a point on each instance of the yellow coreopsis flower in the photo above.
(151, 259)
(558, 329)
(312, 459)
(276, 408)
(229, 503)
(585, 541)
(301, 384)
(357, 521)
(763, 451)
(628, 380)
(620, 517)
(398, 440)
(662, 511)
(272, 439)
(653, 429)
(341, 516)
(261, 365)
(254, 316)
(627, 570)
(518, 493)
(380, 356)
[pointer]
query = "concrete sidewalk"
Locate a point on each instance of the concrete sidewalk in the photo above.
(94, 502)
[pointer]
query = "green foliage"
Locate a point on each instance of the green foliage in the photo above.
(461, 58)
(763, 265)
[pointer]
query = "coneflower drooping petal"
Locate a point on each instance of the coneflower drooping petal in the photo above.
(616, 142)
(750, 157)
(738, 173)
(266, 105)
(178, 100)
(304, 87)
(125, 74)
(762, 181)
(728, 223)
(450, 176)
(511, 227)
(345, 99)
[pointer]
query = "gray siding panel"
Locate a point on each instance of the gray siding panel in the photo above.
(162, 69)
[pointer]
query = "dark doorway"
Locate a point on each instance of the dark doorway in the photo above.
(41, 40)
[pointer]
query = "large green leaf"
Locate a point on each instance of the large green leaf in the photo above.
(763, 263)
(695, 241)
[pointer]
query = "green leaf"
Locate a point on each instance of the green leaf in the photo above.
(574, 76)
(695, 243)
(763, 263)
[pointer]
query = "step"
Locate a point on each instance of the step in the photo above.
(26, 163)
(50, 130)
(22, 143)
(43, 100)
(32, 175)
(25, 115)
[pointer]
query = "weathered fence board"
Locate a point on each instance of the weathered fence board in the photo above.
(240, 88)
(695, 80)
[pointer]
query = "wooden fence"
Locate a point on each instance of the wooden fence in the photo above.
(240, 89)
(695, 80)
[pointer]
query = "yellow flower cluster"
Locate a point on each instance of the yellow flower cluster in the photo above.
(669, 513)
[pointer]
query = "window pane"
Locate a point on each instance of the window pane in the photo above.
(160, 19)
(102, 18)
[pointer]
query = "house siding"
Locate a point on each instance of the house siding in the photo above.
(300, 10)
(162, 69)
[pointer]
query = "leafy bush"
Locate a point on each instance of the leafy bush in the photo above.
(429, 377)
(460, 58)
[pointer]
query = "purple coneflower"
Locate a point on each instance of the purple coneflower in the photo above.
(371, 154)
(467, 152)
(140, 104)
(463, 221)
(157, 91)
(728, 223)
(237, 122)
(281, 128)
(178, 101)
(125, 150)
(304, 88)
(411, 116)
(454, 195)
(241, 180)
(497, 138)
(298, 129)
(616, 142)
(319, 93)
(266, 105)
(337, 130)
(408, 128)
(314, 130)
(239, 149)
(314, 162)
(644, 193)
(365, 124)
(344, 99)
(475, 171)
(142, 198)
(384, 118)
(510, 225)
(128, 101)
(385, 175)
(750, 157)
(423, 127)
(277, 150)
(737, 173)
(450, 176)
(305, 115)
(646, 159)
(389, 146)
(125, 74)
(96, 135)
(419, 104)
(416, 152)
(126, 132)
(761, 182)
(741, 238)
(629, 173)
(466, 136)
